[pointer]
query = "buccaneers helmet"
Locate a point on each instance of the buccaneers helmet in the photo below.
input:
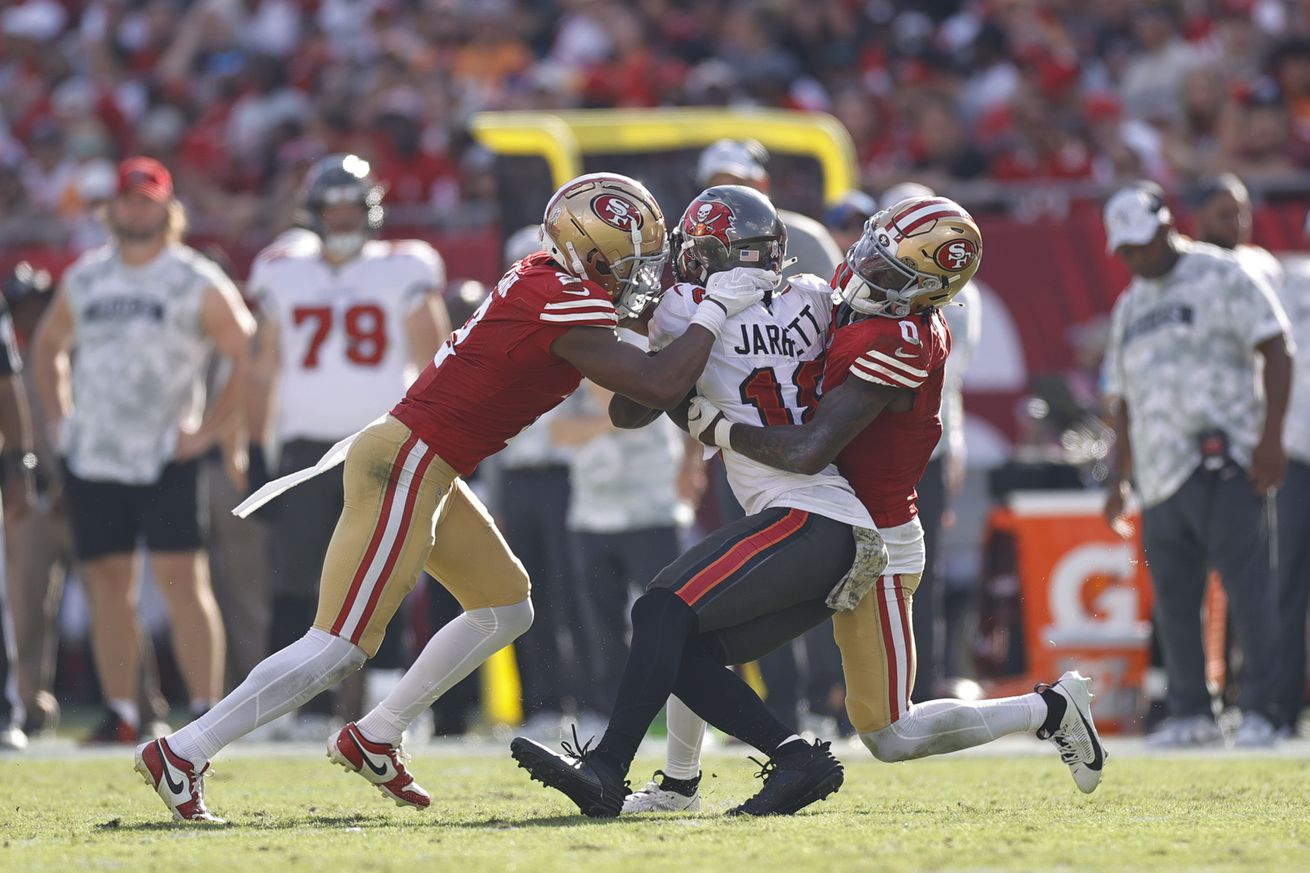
(724, 227)
(914, 256)
(609, 229)
(341, 178)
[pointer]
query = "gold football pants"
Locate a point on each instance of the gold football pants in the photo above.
(877, 651)
(407, 510)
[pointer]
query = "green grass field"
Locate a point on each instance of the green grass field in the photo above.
(962, 813)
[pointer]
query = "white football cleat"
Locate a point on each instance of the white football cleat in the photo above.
(1075, 736)
(382, 765)
(655, 798)
(1185, 731)
(1255, 732)
(175, 780)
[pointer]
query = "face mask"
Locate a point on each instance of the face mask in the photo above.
(340, 246)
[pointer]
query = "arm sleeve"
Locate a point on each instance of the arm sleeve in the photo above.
(427, 277)
(257, 289)
(1255, 309)
(672, 316)
(577, 303)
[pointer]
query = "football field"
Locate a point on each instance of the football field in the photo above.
(1013, 809)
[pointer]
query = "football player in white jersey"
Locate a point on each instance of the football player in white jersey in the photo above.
(806, 539)
(344, 318)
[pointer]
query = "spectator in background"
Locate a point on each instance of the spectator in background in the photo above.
(17, 493)
(1153, 77)
(345, 316)
(1221, 212)
(142, 314)
(633, 491)
(1256, 140)
(845, 219)
(1294, 506)
(39, 548)
(1289, 67)
(1202, 462)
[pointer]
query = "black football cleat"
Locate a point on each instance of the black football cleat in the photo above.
(594, 787)
(794, 780)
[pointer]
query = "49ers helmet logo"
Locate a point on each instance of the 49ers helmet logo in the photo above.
(955, 256)
(709, 218)
(617, 212)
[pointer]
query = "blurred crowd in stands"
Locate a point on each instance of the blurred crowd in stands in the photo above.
(237, 96)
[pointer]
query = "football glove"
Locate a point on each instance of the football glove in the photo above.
(707, 423)
(866, 570)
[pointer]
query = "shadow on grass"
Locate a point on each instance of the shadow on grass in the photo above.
(259, 822)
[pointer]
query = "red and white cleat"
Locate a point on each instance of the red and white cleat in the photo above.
(382, 765)
(175, 780)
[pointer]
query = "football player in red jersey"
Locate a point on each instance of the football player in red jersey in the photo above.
(548, 323)
(805, 539)
(880, 427)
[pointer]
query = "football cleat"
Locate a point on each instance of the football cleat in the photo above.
(175, 780)
(598, 791)
(1184, 731)
(383, 766)
(1255, 732)
(1074, 734)
(794, 779)
(111, 731)
(656, 798)
(12, 739)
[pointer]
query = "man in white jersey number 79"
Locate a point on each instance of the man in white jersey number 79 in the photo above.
(806, 539)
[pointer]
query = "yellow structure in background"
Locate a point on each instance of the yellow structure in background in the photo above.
(561, 139)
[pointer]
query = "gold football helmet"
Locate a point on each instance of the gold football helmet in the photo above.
(913, 256)
(609, 229)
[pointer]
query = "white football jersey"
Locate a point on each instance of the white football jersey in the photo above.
(345, 355)
(765, 369)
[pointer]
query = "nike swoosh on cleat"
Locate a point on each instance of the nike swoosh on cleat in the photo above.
(381, 771)
(1097, 758)
(174, 787)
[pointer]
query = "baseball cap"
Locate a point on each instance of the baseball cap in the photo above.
(146, 175)
(853, 207)
(744, 159)
(1133, 215)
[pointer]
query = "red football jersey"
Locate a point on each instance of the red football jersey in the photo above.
(885, 462)
(496, 375)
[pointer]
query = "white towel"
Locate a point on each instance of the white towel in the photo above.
(334, 456)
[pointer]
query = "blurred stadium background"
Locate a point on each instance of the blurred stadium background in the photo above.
(1028, 113)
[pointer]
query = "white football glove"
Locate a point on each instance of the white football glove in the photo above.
(731, 292)
(866, 570)
(740, 288)
(706, 422)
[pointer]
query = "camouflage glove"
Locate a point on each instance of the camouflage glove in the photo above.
(866, 570)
